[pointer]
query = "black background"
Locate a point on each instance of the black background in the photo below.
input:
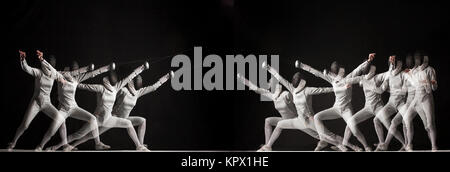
(121, 31)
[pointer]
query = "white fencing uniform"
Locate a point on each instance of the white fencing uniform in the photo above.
(423, 104)
(373, 104)
(303, 102)
(40, 101)
(125, 102)
(411, 89)
(282, 101)
(106, 95)
(68, 106)
(342, 107)
(394, 81)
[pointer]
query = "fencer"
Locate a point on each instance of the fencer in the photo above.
(342, 107)
(302, 99)
(282, 101)
(424, 79)
(394, 82)
(106, 96)
(68, 106)
(40, 102)
(373, 101)
(398, 118)
(125, 102)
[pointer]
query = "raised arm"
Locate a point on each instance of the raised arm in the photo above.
(133, 74)
(58, 76)
(318, 90)
(23, 64)
(91, 87)
(358, 70)
(313, 71)
(151, 88)
(79, 71)
(253, 87)
(84, 76)
(277, 76)
(32, 71)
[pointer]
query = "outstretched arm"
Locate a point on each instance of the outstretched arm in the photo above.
(91, 87)
(277, 76)
(361, 67)
(358, 70)
(23, 64)
(151, 88)
(253, 87)
(313, 71)
(79, 71)
(133, 74)
(318, 90)
(84, 76)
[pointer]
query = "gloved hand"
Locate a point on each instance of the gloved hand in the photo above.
(22, 55)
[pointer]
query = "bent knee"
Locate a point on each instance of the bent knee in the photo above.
(278, 128)
(142, 121)
(128, 123)
(268, 121)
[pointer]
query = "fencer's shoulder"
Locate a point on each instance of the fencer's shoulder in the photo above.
(429, 68)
